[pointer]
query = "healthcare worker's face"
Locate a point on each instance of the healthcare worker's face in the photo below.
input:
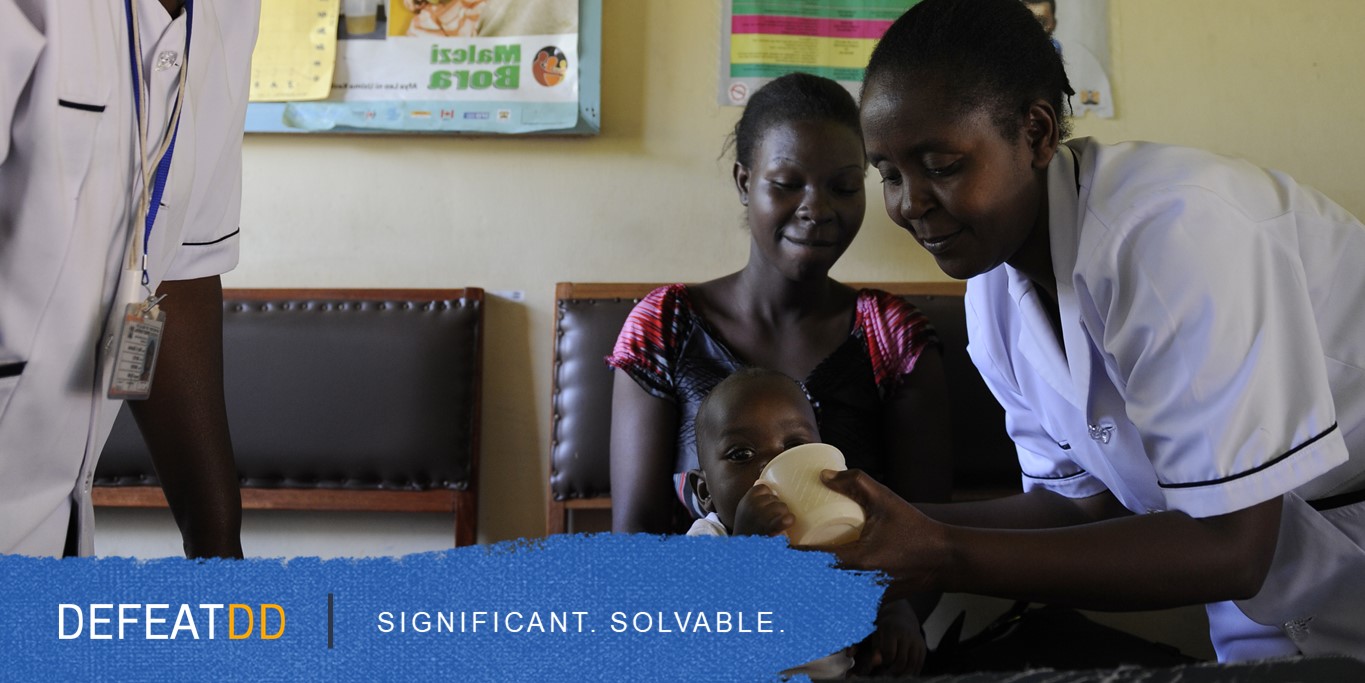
(805, 196)
(968, 194)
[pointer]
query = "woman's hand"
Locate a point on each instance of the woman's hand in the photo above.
(896, 648)
(761, 513)
(897, 539)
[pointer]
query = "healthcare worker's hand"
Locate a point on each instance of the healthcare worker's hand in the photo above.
(761, 513)
(896, 648)
(897, 539)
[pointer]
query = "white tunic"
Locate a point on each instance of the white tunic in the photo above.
(1214, 359)
(68, 175)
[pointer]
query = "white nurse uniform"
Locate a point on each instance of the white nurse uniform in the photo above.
(1213, 359)
(68, 178)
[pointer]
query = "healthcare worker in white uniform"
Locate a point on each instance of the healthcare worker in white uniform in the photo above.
(1176, 338)
(100, 215)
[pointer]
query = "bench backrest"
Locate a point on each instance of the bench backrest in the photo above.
(341, 390)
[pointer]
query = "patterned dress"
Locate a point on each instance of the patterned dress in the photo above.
(669, 350)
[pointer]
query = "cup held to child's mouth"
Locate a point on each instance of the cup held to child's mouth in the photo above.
(823, 516)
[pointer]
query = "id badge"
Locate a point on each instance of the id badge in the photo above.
(139, 340)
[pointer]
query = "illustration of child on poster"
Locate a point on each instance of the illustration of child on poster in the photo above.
(480, 18)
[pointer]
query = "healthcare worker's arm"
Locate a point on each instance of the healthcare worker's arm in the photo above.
(1035, 509)
(1130, 562)
(20, 45)
(184, 421)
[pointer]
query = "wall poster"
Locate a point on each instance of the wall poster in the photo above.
(428, 66)
(764, 39)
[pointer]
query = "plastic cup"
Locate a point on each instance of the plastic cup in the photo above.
(823, 516)
(361, 16)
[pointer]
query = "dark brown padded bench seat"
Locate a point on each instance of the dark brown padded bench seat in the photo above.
(339, 400)
(589, 316)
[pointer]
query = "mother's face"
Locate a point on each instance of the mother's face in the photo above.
(966, 192)
(805, 195)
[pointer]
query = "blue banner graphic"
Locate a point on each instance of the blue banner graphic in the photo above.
(567, 608)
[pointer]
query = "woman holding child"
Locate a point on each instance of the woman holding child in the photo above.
(860, 355)
(867, 361)
(1175, 337)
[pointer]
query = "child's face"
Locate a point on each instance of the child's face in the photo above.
(744, 428)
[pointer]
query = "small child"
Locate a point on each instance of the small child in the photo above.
(746, 421)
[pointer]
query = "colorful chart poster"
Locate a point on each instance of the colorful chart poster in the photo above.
(764, 39)
(486, 66)
(831, 38)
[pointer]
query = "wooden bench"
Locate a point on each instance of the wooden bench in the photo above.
(339, 400)
(588, 318)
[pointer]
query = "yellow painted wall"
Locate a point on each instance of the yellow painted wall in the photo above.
(648, 200)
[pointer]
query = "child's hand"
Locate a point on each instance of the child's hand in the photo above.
(761, 513)
(896, 648)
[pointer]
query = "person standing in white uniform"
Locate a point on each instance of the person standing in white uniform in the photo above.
(76, 78)
(1175, 337)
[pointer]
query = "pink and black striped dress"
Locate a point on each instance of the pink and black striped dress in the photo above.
(668, 349)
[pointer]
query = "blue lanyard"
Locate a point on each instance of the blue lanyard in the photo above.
(163, 167)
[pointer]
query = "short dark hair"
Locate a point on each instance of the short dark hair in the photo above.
(742, 375)
(794, 97)
(986, 53)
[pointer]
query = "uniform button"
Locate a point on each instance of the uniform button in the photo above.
(1101, 433)
(1297, 629)
(167, 60)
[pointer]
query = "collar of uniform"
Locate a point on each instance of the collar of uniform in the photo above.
(155, 23)
(1036, 340)
(1066, 370)
(1063, 216)
(1064, 188)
